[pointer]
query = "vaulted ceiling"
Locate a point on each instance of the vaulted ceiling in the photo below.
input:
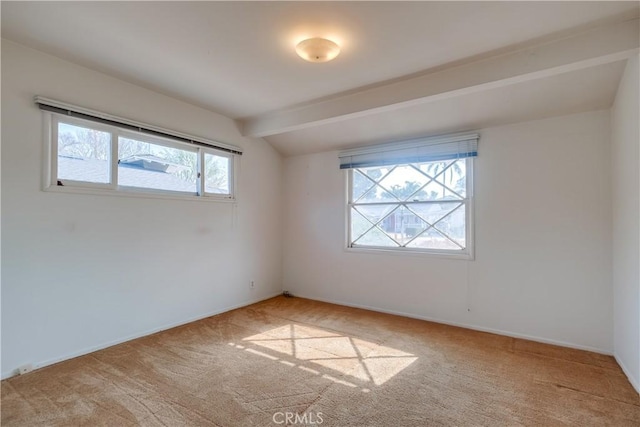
(406, 68)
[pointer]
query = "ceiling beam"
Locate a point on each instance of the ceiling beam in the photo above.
(602, 45)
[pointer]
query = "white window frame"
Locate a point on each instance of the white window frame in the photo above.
(232, 171)
(467, 254)
(55, 120)
(50, 166)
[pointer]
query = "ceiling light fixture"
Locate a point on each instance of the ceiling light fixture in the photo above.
(317, 50)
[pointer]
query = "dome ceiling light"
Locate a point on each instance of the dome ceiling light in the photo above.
(317, 50)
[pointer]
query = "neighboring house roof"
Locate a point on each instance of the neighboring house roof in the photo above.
(151, 162)
(132, 174)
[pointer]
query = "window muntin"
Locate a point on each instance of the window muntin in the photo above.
(412, 207)
(104, 157)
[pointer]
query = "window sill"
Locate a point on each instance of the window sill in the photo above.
(408, 252)
(136, 193)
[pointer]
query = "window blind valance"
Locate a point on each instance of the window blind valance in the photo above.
(446, 147)
(99, 117)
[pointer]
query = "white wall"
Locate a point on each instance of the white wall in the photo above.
(83, 271)
(625, 115)
(543, 239)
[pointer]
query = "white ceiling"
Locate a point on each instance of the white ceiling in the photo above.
(238, 59)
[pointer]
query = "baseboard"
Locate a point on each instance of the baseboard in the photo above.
(464, 325)
(635, 382)
(42, 364)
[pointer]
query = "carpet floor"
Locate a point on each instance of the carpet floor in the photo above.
(292, 361)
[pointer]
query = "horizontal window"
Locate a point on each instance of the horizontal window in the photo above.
(88, 154)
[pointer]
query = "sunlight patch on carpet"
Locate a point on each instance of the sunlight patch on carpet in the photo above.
(363, 360)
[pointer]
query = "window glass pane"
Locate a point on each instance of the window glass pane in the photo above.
(403, 225)
(435, 212)
(364, 231)
(216, 174)
(359, 224)
(146, 165)
(377, 194)
(449, 180)
(375, 213)
(375, 237)
(432, 239)
(83, 154)
(416, 205)
(365, 188)
(453, 226)
(372, 236)
(404, 182)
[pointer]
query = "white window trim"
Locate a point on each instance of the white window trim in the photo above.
(53, 179)
(50, 158)
(467, 254)
(232, 172)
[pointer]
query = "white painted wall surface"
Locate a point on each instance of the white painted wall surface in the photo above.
(543, 239)
(83, 271)
(625, 116)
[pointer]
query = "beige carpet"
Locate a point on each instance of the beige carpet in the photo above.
(330, 365)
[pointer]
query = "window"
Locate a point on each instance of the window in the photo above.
(159, 167)
(216, 169)
(98, 154)
(412, 196)
(81, 145)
